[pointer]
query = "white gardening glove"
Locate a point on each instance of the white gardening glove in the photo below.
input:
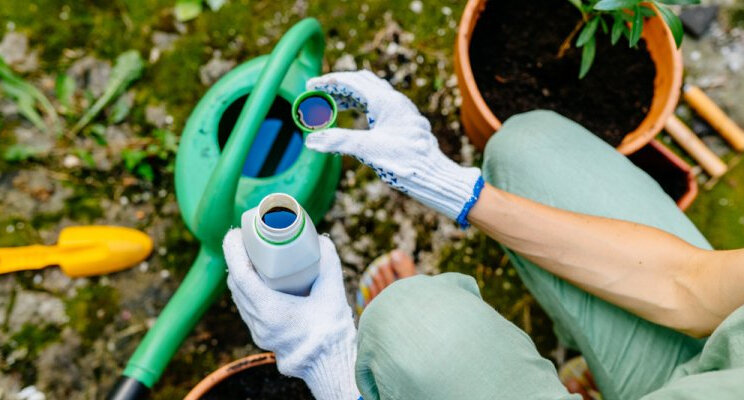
(313, 336)
(399, 145)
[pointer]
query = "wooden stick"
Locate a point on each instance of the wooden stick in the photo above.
(695, 147)
(709, 111)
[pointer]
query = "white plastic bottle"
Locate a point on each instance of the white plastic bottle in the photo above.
(282, 243)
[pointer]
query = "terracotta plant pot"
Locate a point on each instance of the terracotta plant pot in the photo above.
(226, 371)
(673, 174)
(255, 384)
(480, 123)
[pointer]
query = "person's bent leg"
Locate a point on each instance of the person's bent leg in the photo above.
(434, 338)
(545, 157)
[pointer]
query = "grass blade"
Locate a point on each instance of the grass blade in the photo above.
(27, 97)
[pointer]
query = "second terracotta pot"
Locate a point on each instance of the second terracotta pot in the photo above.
(480, 123)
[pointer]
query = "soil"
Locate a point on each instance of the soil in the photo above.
(514, 56)
(263, 382)
(671, 179)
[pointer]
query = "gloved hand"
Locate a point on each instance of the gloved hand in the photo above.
(399, 145)
(313, 337)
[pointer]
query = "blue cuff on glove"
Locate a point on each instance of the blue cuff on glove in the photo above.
(462, 219)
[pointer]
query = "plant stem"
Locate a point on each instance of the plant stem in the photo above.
(567, 42)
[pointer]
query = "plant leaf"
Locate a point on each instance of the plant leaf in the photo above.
(86, 158)
(587, 57)
(121, 108)
(617, 30)
(609, 5)
(186, 10)
(679, 2)
(587, 32)
(128, 68)
(64, 88)
(27, 97)
(577, 4)
(647, 12)
(145, 171)
(636, 28)
(25, 103)
(673, 22)
(132, 158)
(19, 153)
(603, 24)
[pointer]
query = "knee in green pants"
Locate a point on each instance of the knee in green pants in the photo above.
(550, 159)
(434, 338)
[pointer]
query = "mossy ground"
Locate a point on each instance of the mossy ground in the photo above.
(109, 315)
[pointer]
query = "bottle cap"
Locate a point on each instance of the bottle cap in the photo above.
(314, 110)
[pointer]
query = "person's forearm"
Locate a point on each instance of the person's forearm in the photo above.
(639, 268)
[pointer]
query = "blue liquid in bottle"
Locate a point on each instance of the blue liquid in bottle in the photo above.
(279, 217)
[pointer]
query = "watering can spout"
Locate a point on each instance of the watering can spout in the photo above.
(215, 213)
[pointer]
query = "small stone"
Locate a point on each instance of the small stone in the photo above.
(416, 6)
(157, 116)
(70, 161)
(30, 393)
(14, 51)
(213, 70)
(91, 73)
(697, 20)
(35, 307)
(345, 63)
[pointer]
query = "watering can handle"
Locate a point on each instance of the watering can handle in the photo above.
(303, 43)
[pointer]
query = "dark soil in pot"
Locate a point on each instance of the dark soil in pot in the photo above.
(263, 382)
(514, 57)
(671, 179)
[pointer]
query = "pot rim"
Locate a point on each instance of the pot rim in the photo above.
(692, 186)
(227, 370)
(633, 140)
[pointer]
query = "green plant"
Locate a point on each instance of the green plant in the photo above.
(618, 18)
(27, 97)
(128, 68)
(186, 10)
(161, 148)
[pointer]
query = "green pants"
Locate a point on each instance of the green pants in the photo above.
(434, 338)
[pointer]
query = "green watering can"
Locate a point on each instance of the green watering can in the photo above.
(234, 151)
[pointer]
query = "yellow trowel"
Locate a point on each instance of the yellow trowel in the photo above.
(82, 251)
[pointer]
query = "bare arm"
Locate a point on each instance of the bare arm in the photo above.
(644, 270)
